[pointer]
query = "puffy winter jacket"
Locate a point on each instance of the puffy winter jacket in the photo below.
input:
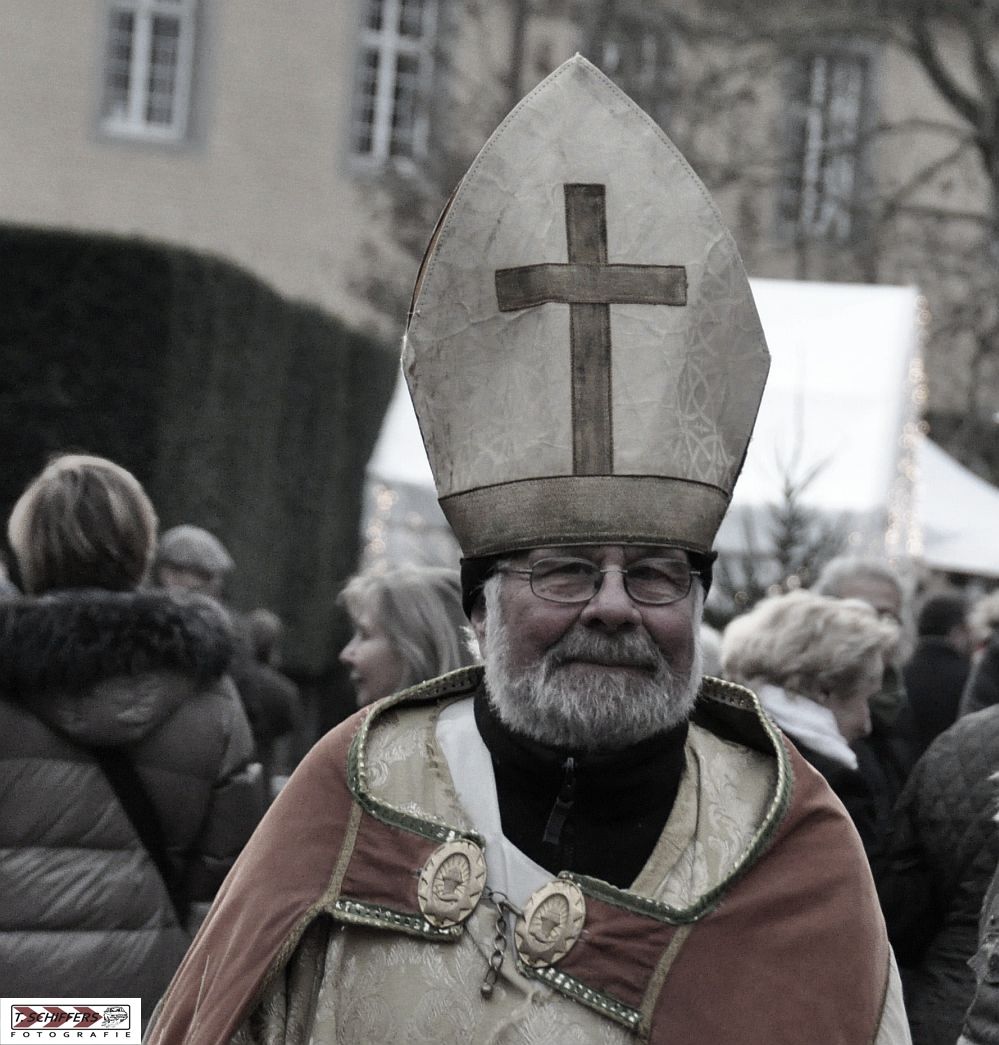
(84, 911)
(940, 858)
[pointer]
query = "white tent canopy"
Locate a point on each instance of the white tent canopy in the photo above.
(834, 413)
(958, 514)
(840, 405)
(399, 456)
(837, 396)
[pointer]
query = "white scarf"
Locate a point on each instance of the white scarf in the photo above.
(811, 723)
(510, 871)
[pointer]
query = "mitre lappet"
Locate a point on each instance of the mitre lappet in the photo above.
(583, 352)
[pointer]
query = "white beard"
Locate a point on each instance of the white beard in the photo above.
(582, 710)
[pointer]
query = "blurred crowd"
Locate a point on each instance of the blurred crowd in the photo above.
(893, 699)
(147, 725)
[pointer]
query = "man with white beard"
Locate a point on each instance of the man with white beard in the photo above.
(581, 841)
(639, 676)
(592, 667)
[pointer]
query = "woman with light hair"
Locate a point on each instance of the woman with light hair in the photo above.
(85, 522)
(815, 662)
(126, 784)
(408, 627)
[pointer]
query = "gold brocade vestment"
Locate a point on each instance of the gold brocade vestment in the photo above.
(354, 983)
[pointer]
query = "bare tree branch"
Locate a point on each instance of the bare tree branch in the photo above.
(923, 177)
(928, 55)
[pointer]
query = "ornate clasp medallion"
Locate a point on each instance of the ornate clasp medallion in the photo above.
(551, 923)
(451, 883)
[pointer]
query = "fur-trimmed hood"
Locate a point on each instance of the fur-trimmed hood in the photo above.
(107, 667)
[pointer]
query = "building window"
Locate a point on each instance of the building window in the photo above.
(638, 56)
(829, 94)
(395, 66)
(147, 75)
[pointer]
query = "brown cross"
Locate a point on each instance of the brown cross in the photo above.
(589, 286)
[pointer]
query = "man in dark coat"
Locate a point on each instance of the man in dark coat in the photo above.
(191, 559)
(936, 673)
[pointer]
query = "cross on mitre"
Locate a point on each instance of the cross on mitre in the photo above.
(589, 285)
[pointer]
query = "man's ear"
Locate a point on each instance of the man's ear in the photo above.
(477, 618)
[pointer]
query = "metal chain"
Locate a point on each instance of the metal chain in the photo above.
(503, 907)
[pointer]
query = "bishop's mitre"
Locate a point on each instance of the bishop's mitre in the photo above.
(583, 351)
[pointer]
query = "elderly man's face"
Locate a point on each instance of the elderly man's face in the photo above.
(602, 673)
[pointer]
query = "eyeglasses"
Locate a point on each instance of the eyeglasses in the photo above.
(654, 582)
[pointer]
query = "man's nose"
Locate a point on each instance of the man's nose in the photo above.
(347, 653)
(612, 607)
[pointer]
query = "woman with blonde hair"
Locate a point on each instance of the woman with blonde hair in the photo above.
(126, 789)
(408, 627)
(815, 662)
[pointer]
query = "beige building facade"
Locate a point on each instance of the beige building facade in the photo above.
(235, 139)
(313, 143)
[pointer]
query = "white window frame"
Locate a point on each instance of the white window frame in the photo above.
(388, 44)
(831, 132)
(132, 122)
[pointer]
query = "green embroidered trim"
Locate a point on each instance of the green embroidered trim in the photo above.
(737, 697)
(466, 680)
(454, 684)
(576, 989)
(357, 913)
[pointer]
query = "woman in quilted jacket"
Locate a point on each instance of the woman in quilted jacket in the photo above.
(126, 783)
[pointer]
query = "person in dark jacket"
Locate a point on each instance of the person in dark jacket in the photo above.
(271, 699)
(191, 559)
(814, 662)
(936, 673)
(126, 783)
(939, 861)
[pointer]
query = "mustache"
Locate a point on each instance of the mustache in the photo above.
(630, 650)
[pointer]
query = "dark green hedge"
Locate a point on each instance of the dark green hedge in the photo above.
(240, 410)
